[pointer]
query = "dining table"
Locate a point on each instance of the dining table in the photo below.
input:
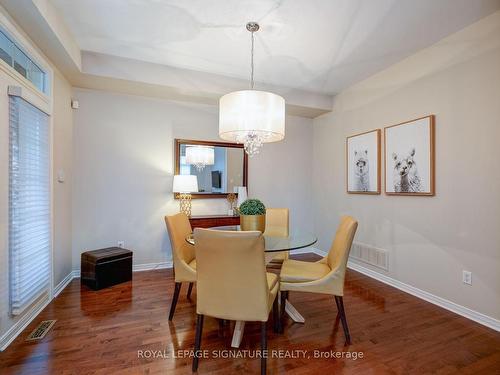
(273, 244)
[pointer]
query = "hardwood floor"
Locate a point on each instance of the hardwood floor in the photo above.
(106, 332)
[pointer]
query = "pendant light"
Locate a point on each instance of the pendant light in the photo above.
(199, 156)
(252, 117)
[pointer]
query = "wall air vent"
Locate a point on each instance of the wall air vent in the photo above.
(370, 255)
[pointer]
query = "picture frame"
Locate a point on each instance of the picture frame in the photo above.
(409, 157)
(363, 162)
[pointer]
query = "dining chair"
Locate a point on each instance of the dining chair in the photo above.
(277, 225)
(178, 228)
(325, 276)
(232, 282)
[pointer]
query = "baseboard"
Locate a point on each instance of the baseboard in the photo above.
(152, 266)
(139, 267)
(63, 284)
(32, 313)
(22, 323)
(478, 317)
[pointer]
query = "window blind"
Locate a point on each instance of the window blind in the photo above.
(29, 204)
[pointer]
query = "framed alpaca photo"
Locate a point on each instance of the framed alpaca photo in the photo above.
(409, 157)
(363, 163)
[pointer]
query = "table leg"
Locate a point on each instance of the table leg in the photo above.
(238, 333)
(289, 309)
(293, 313)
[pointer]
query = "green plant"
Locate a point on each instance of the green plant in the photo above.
(252, 207)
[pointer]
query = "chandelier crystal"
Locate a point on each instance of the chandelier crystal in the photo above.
(252, 117)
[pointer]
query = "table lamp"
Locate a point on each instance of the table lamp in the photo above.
(185, 185)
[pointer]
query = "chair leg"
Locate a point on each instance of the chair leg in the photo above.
(263, 345)
(221, 323)
(197, 341)
(276, 316)
(340, 306)
(190, 290)
(177, 290)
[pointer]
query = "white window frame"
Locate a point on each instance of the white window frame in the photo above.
(43, 101)
(45, 83)
(12, 31)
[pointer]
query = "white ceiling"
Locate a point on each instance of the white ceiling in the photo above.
(321, 46)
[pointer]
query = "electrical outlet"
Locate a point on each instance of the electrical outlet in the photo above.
(121, 244)
(467, 277)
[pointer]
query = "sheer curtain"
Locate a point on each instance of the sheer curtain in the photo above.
(29, 204)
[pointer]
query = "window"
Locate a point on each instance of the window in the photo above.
(13, 55)
(29, 204)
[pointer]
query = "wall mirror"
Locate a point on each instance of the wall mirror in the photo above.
(220, 167)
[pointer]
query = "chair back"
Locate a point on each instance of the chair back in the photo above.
(277, 222)
(231, 275)
(341, 246)
(178, 227)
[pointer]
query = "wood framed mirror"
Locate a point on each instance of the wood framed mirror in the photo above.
(226, 166)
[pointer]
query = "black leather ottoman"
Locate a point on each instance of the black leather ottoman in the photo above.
(105, 267)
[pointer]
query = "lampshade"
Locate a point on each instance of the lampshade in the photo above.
(242, 195)
(185, 184)
(252, 117)
(199, 156)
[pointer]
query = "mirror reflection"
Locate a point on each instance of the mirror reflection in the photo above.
(218, 169)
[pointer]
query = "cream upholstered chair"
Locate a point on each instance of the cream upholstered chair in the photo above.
(325, 276)
(178, 227)
(232, 282)
(277, 224)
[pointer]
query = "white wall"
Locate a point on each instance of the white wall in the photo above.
(123, 167)
(431, 240)
(62, 153)
(281, 174)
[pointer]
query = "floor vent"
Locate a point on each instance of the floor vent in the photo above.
(370, 255)
(40, 331)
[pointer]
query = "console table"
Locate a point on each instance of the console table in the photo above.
(208, 221)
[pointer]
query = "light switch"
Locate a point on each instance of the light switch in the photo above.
(60, 176)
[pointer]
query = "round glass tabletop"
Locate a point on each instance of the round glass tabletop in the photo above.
(292, 242)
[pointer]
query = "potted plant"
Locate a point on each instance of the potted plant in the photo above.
(253, 215)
